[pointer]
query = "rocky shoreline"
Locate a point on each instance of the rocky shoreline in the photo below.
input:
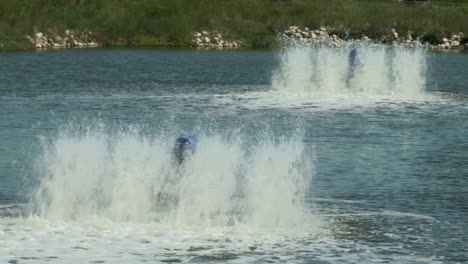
(214, 39)
(332, 37)
(69, 40)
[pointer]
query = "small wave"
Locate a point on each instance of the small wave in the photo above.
(325, 200)
(13, 210)
(381, 213)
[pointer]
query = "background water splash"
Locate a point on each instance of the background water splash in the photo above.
(375, 71)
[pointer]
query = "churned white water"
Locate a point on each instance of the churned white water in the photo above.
(352, 70)
(123, 192)
(127, 177)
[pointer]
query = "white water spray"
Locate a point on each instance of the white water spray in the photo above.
(132, 178)
(374, 71)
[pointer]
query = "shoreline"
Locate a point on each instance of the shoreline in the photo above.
(223, 23)
(293, 36)
(330, 40)
(192, 48)
(322, 36)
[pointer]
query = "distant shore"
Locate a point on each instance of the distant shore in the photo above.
(42, 24)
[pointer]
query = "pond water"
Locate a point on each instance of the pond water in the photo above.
(303, 156)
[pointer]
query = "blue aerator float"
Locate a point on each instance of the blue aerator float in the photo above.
(353, 65)
(184, 147)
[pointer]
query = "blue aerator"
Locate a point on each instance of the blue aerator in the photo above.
(184, 146)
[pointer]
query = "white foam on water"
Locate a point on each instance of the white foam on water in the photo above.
(235, 200)
(328, 78)
(127, 177)
(375, 71)
(38, 240)
(120, 197)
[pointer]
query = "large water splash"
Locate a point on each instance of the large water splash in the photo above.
(130, 177)
(363, 70)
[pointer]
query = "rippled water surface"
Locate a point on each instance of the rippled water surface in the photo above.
(300, 159)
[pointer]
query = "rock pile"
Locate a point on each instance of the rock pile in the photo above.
(453, 42)
(213, 40)
(314, 37)
(323, 36)
(68, 40)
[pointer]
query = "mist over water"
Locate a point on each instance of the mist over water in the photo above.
(362, 70)
(130, 177)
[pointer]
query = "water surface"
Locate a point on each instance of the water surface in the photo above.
(295, 163)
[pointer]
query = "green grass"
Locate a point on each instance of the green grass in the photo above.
(256, 22)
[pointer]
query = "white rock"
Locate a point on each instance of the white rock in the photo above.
(207, 40)
(323, 29)
(39, 35)
(56, 45)
(38, 45)
(293, 28)
(306, 29)
(67, 32)
(312, 35)
(297, 35)
(198, 34)
(198, 40)
(205, 33)
(305, 34)
(395, 34)
(455, 43)
(409, 36)
(445, 40)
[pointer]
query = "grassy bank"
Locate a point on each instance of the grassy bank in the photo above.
(256, 22)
